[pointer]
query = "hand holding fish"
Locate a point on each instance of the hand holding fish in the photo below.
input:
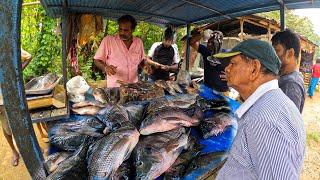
(110, 70)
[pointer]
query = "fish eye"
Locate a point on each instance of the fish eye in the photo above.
(116, 126)
(139, 163)
(148, 150)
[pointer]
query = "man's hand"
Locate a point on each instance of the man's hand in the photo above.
(164, 67)
(110, 70)
(223, 76)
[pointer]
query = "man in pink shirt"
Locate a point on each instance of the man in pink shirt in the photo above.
(120, 55)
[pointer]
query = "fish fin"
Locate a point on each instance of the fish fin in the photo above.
(171, 147)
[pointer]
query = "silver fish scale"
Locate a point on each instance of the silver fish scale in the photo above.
(152, 162)
(108, 150)
(98, 162)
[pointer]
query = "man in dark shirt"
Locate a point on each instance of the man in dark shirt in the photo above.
(163, 57)
(213, 72)
(287, 46)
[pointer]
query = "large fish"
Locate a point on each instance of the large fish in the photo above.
(183, 78)
(87, 110)
(69, 136)
(113, 94)
(180, 101)
(52, 161)
(179, 167)
(168, 118)
(220, 103)
(216, 124)
(154, 154)
(100, 95)
(124, 172)
(136, 111)
(175, 86)
(88, 103)
(74, 167)
(204, 164)
(44, 82)
(107, 154)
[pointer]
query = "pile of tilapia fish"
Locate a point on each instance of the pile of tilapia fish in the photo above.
(135, 140)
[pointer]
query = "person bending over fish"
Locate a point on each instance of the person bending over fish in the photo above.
(163, 57)
(270, 141)
(25, 58)
(119, 56)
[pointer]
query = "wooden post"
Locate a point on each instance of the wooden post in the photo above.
(13, 88)
(282, 16)
(269, 31)
(188, 48)
(241, 28)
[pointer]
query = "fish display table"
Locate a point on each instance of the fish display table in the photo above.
(182, 136)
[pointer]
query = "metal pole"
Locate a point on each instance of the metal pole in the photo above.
(188, 48)
(64, 22)
(13, 89)
(282, 16)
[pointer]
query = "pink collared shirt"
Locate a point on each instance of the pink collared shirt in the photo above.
(113, 51)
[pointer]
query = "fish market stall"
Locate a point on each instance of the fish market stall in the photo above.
(173, 12)
(165, 130)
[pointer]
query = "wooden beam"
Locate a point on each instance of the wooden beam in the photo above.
(31, 3)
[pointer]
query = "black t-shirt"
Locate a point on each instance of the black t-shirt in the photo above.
(212, 73)
(163, 55)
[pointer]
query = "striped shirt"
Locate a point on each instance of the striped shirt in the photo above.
(270, 142)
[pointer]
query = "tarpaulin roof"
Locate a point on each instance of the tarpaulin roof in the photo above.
(174, 12)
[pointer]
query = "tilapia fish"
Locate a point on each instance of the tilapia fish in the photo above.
(100, 95)
(69, 136)
(44, 81)
(203, 164)
(178, 168)
(183, 78)
(136, 111)
(154, 154)
(73, 167)
(113, 94)
(112, 116)
(124, 172)
(87, 110)
(175, 86)
(218, 104)
(167, 87)
(53, 160)
(88, 103)
(180, 101)
(107, 154)
(168, 118)
(216, 124)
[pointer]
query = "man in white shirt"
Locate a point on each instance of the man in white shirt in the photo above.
(163, 57)
(270, 142)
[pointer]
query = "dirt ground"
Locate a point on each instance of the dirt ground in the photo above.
(311, 168)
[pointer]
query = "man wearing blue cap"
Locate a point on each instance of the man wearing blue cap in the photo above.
(270, 142)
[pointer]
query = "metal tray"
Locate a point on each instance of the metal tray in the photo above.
(47, 90)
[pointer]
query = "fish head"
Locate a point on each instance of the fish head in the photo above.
(149, 124)
(147, 160)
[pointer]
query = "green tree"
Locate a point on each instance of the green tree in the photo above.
(301, 25)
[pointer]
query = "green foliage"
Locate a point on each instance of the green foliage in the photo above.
(301, 25)
(313, 136)
(39, 38)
